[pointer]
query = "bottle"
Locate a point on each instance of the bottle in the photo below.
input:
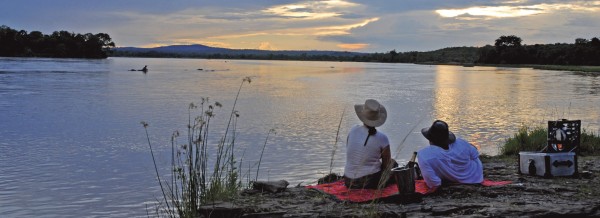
(413, 158)
(414, 166)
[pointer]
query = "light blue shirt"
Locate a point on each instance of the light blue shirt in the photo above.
(460, 164)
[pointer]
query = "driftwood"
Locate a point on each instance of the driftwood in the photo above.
(272, 187)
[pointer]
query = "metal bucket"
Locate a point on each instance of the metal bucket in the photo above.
(405, 179)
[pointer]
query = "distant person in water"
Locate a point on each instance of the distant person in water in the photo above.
(368, 150)
(448, 158)
(145, 69)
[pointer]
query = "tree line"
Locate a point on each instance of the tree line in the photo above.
(242, 56)
(453, 55)
(446, 55)
(59, 44)
(508, 50)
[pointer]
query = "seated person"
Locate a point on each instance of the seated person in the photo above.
(448, 158)
(368, 150)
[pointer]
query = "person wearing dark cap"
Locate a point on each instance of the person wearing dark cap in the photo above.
(448, 158)
(368, 157)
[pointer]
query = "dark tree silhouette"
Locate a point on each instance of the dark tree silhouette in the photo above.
(60, 44)
(508, 50)
(595, 42)
(508, 41)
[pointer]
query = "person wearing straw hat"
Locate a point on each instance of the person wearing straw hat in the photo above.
(448, 158)
(368, 150)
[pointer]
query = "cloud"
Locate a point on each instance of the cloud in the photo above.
(366, 25)
(557, 23)
(497, 11)
(310, 9)
(356, 46)
(245, 29)
(266, 46)
(517, 11)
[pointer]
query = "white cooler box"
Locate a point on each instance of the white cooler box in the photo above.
(548, 164)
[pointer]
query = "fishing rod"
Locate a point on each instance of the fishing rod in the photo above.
(400, 147)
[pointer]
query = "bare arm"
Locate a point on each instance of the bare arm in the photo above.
(386, 158)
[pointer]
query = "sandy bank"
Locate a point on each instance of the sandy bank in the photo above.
(528, 196)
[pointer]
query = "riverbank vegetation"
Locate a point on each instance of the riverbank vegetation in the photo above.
(199, 174)
(59, 44)
(509, 50)
(535, 139)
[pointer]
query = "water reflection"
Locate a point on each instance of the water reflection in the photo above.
(588, 83)
(72, 138)
(487, 104)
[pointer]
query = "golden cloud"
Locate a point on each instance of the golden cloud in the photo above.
(184, 41)
(349, 26)
(304, 20)
(153, 45)
(354, 46)
(266, 46)
(310, 9)
(317, 31)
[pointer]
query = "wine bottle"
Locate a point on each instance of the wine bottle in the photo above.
(414, 166)
(413, 158)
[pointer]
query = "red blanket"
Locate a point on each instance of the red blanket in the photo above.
(339, 190)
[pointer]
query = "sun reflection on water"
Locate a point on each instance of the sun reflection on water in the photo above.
(487, 107)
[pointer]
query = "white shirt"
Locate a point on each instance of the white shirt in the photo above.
(460, 163)
(363, 160)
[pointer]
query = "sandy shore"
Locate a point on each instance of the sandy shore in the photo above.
(527, 196)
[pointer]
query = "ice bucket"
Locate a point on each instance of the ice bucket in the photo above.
(405, 179)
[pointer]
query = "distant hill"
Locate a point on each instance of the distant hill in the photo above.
(453, 55)
(198, 50)
(175, 49)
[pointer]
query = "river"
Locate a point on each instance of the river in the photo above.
(71, 142)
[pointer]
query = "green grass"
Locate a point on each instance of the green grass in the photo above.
(535, 139)
(590, 142)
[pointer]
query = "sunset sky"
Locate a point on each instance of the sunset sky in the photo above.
(358, 25)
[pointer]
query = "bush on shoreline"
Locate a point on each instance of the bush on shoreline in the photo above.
(535, 139)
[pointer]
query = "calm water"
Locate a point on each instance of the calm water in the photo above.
(71, 143)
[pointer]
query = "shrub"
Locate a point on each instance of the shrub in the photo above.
(526, 139)
(536, 138)
(590, 143)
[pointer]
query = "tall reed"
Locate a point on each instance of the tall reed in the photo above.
(193, 182)
(335, 144)
(263, 151)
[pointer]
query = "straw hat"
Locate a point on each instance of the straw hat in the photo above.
(371, 113)
(438, 133)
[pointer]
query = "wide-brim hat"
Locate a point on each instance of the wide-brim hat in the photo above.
(371, 113)
(439, 133)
